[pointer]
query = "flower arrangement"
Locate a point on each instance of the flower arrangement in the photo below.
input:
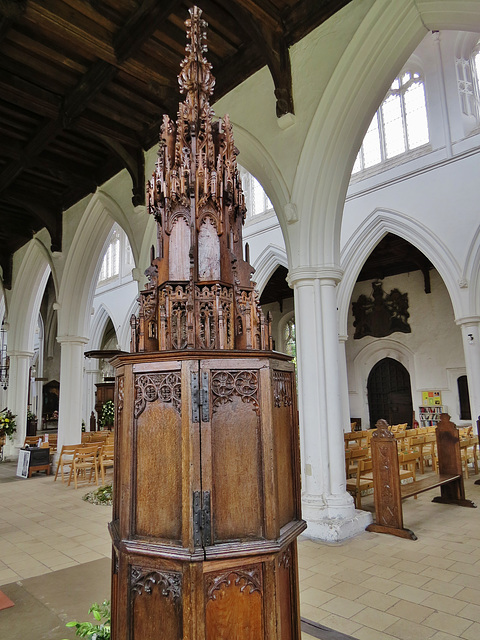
(31, 416)
(8, 426)
(108, 414)
(102, 495)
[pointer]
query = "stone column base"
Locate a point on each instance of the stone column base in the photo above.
(338, 529)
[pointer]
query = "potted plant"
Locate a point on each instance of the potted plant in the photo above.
(8, 426)
(100, 631)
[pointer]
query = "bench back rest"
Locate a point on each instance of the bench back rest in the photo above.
(448, 447)
(386, 479)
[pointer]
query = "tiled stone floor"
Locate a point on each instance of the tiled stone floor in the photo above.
(54, 549)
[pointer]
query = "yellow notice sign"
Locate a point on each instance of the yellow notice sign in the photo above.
(431, 398)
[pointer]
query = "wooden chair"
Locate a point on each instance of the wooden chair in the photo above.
(407, 465)
(355, 456)
(52, 441)
(430, 450)
(66, 459)
(99, 436)
(468, 453)
(31, 441)
(356, 485)
(417, 443)
(85, 459)
(348, 455)
(106, 459)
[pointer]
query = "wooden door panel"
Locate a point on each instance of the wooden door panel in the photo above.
(236, 468)
(283, 438)
(156, 603)
(234, 604)
(158, 456)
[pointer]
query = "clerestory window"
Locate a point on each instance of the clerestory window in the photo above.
(400, 125)
(256, 199)
(111, 261)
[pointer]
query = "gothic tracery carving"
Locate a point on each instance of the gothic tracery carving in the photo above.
(144, 581)
(247, 577)
(282, 388)
(243, 383)
(150, 387)
(285, 559)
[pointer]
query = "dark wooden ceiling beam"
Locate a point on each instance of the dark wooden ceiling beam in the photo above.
(34, 147)
(21, 230)
(128, 40)
(272, 45)
(140, 26)
(306, 15)
(63, 166)
(67, 65)
(13, 9)
(93, 82)
(263, 11)
(64, 21)
(25, 94)
(134, 162)
(5, 24)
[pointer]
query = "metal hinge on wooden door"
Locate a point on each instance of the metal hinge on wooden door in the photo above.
(202, 519)
(200, 397)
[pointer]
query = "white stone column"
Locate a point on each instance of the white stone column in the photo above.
(344, 395)
(17, 396)
(327, 507)
(71, 386)
(471, 347)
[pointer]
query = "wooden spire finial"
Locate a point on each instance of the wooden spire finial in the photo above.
(196, 79)
(200, 293)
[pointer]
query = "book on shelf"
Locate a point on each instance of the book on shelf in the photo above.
(430, 415)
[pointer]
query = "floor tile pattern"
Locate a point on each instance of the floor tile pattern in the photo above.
(371, 587)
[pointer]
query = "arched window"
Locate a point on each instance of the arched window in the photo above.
(465, 412)
(256, 199)
(468, 78)
(289, 339)
(111, 260)
(399, 126)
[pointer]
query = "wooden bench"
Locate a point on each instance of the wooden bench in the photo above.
(388, 490)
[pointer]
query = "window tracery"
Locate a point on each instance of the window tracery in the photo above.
(400, 125)
(111, 261)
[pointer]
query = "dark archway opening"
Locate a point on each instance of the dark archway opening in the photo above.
(389, 393)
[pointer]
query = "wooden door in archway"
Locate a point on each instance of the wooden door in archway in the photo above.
(389, 393)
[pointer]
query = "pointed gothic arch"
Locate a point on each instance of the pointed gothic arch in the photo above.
(346, 108)
(84, 260)
(98, 326)
(362, 242)
(29, 287)
(365, 361)
(266, 263)
(470, 280)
